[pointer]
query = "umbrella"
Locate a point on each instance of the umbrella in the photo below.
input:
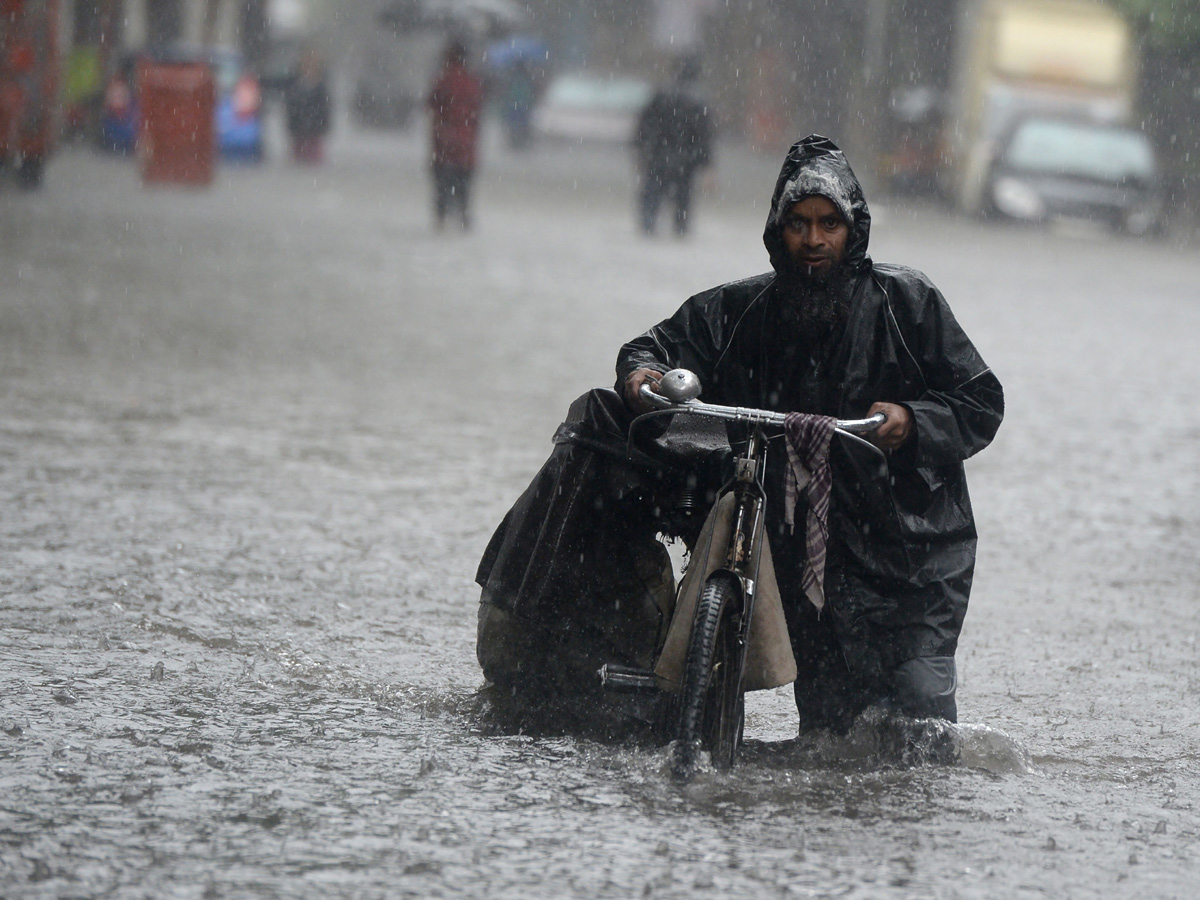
(506, 52)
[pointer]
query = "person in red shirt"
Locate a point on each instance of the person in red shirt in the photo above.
(456, 106)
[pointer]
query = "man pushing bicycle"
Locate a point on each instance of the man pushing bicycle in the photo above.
(826, 332)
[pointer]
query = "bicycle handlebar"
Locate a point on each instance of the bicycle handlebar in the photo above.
(746, 415)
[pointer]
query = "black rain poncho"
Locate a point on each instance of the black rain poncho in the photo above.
(902, 532)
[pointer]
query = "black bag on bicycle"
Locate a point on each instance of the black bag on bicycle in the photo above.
(574, 576)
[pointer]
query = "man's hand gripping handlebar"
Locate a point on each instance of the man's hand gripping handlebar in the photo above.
(678, 389)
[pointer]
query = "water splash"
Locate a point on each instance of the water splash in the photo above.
(984, 747)
(881, 739)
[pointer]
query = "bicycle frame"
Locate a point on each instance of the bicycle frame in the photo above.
(741, 554)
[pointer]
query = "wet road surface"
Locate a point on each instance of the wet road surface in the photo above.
(256, 437)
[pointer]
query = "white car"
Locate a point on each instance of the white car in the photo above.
(584, 107)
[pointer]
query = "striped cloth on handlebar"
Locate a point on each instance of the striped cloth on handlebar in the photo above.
(808, 438)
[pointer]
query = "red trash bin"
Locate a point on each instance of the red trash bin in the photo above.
(176, 140)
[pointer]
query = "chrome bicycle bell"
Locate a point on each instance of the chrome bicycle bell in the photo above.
(679, 386)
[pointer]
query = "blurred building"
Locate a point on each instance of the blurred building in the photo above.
(776, 68)
(857, 70)
(113, 25)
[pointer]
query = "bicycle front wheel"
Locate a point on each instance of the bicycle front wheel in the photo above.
(711, 705)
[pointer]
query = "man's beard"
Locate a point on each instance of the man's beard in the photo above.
(813, 302)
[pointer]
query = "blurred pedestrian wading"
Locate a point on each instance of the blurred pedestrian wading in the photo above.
(673, 141)
(309, 110)
(456, 105)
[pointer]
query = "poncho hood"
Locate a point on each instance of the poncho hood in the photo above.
(815, 165)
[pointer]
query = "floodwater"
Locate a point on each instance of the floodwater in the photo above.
(253, 440)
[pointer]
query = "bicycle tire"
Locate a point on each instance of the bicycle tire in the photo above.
(711, 705)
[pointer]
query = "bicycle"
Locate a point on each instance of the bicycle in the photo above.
(710, 706)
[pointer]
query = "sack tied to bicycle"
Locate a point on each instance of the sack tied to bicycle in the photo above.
(817, 483)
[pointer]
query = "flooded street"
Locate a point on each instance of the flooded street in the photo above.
(255, 439)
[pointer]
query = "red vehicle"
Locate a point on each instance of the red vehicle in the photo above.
(29, 67)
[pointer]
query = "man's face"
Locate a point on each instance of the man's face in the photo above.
(815, 235)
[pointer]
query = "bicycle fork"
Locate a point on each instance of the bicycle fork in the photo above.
(745, 541)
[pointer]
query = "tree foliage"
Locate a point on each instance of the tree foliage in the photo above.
(1165, 24)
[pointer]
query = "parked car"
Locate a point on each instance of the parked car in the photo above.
(584, 107)
(238, 114)
(1053, 168)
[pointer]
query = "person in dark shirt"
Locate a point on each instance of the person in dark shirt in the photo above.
(673, 141)
(308, 109)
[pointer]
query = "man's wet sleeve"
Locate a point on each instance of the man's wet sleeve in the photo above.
(689, 339)
(950, 426)
(959, 412)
